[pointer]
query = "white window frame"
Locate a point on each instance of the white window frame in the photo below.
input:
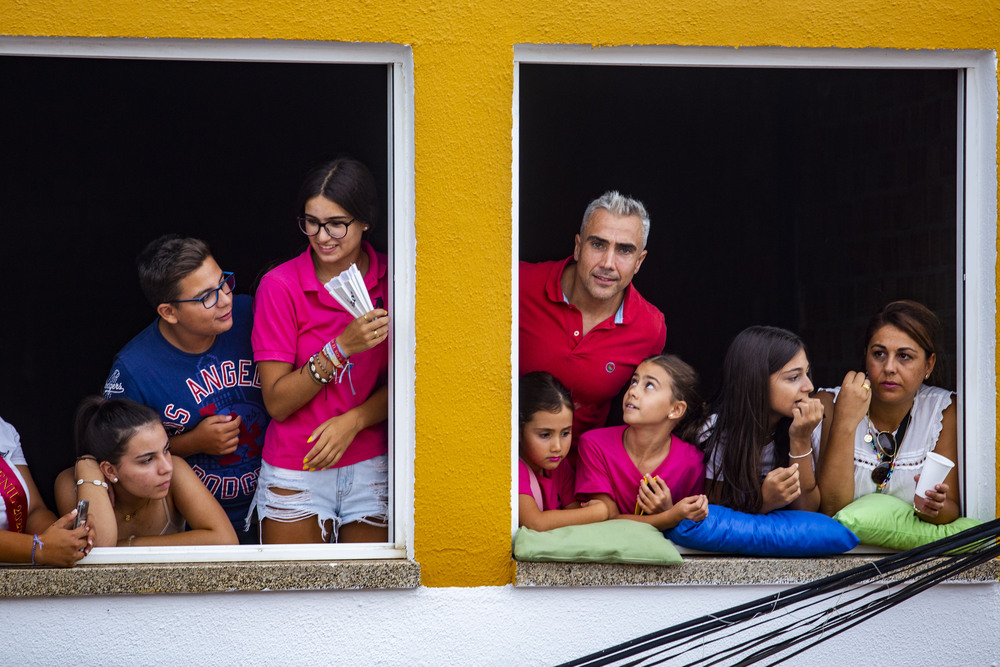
(402, 267)
(976, 260)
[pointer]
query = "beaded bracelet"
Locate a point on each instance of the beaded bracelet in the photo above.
(95, 482)
(316, 376)
(35, 543)
(321, 363)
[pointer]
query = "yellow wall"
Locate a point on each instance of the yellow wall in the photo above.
(463, 74)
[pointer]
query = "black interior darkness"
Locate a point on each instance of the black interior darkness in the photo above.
(101, 156)
(801, 198)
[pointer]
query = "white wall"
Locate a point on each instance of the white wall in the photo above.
(957, 624)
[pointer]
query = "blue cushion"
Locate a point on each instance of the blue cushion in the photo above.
(789, 533)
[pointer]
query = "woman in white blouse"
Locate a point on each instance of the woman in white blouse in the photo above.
(886, 419)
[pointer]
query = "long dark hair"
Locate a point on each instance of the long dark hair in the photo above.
(539, 391)
(684, 383)
(103, 428)
(743, 410)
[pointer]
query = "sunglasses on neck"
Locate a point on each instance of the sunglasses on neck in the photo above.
(887, 447)
(885, 442)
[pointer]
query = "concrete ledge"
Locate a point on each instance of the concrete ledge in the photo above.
(142, 579)
(713, 571)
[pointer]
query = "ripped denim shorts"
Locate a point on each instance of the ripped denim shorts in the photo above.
(358, 492)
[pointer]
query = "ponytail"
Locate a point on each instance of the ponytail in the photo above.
(103, 427)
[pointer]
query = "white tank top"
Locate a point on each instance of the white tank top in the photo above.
(921, 437)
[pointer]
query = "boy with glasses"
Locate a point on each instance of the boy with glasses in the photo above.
(194, 366)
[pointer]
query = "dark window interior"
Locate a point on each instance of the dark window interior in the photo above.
(101, 156)
(801, 198)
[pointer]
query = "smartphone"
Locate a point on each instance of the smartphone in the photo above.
(81, 513)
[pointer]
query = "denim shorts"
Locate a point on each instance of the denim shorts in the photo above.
(354, 493)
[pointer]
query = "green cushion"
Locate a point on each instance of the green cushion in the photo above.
(615, 541)
(887, 521)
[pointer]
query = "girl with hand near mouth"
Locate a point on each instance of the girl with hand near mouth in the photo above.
(887, 419)
(140, 495)
(546, 480)
(764, 438)
(645, 470)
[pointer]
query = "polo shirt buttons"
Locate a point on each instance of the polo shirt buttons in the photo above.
(576, 333)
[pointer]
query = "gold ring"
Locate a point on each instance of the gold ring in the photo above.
(866, 386)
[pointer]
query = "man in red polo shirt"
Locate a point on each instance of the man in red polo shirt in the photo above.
(581, 319)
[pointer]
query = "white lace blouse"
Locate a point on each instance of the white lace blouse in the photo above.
(921, 437)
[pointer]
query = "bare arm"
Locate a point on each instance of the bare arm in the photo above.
(59, 543)
(40, 517)
(807, 415)
(531, 517)
(206, 518)
(836, 463)
(286, 388)
(101, 515)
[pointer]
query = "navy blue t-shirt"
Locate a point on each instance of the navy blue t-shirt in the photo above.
(185, 387)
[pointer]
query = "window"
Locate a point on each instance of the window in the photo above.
(114, 142)
(795, 187)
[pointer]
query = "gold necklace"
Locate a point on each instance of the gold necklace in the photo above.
(129, 517)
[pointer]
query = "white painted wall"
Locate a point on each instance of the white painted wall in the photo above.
(956, 624)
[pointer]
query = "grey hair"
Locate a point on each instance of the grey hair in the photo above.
(618, 204)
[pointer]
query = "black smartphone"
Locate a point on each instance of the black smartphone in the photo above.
(82, 508)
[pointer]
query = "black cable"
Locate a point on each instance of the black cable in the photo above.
(902, 576)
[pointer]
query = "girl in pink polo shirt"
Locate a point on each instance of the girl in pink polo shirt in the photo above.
(546, 495)
(646, 470)
(323, 374)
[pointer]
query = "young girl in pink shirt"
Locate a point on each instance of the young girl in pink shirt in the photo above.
(645, 470)
(546, 495)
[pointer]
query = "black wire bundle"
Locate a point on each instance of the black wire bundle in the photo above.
(809, 617)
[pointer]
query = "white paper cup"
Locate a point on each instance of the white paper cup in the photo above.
(936, 468)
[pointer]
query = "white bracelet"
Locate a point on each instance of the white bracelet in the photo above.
(801, 456)
(95, 482)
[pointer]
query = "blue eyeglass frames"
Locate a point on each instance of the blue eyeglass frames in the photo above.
(211, 297)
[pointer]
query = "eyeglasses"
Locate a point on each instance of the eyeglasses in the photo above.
(885, 443)
(211, 297)
(336, 228)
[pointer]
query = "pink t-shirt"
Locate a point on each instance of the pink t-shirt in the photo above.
(605, 467)
(556, 486)
(294, 317)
